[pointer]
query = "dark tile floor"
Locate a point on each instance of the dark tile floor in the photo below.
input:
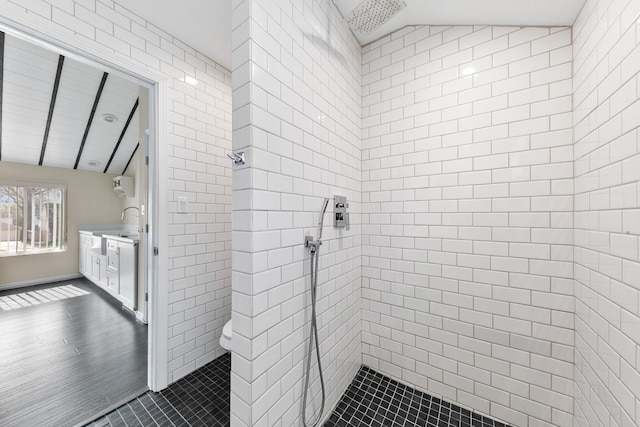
(202, 398)
(375, 400)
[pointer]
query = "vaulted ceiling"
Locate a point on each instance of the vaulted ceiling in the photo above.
(206, 24)
(60, 112)
(57, 111)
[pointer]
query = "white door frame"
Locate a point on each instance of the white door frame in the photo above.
(90, 52)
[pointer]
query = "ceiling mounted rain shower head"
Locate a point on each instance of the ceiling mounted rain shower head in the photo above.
(370, 15)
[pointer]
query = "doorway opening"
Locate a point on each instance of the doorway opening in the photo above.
(87, 100)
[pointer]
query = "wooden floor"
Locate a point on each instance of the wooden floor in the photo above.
(68, 351)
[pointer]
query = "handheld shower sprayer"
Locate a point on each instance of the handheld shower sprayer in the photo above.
(314, 248)
(323, 209)
(309, 242)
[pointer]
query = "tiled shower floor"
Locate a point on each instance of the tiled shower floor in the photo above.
(375, 400)
(202, 399)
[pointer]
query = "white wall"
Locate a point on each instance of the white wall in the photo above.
(465, 184)
(296, 112)
(137, 168)
(467, 217)
(606, 97)
(90, 200)
(198, 134)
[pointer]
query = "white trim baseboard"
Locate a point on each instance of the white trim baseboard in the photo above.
(42, 281)
(140, 317)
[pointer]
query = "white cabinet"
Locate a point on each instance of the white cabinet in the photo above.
(82, 261)
(98, 267)
(90, 262)
(128, 273)
(122, 271)
(85, 262)
(113, 265)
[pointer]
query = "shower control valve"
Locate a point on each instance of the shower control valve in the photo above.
(340, 214)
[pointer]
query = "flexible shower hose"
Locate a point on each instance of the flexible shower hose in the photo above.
(315, 253)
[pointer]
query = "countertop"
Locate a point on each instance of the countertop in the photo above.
(121, 233)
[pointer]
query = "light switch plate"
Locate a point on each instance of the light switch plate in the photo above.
(182, 204)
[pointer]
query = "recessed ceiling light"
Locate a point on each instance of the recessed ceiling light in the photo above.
(93, 163)
(109, 118)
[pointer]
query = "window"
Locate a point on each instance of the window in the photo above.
(32, 219)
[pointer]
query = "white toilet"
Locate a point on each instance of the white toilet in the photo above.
(225, 338)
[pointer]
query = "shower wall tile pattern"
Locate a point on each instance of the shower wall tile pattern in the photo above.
(606, 97)
(467, 219)
(296, 113)
(198, 135)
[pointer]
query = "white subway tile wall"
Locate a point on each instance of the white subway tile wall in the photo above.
(493, 180)
(606, 96)
(296, 113)
(199, 134)
(467, 205)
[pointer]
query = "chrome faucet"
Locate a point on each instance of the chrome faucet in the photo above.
(126, 209)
